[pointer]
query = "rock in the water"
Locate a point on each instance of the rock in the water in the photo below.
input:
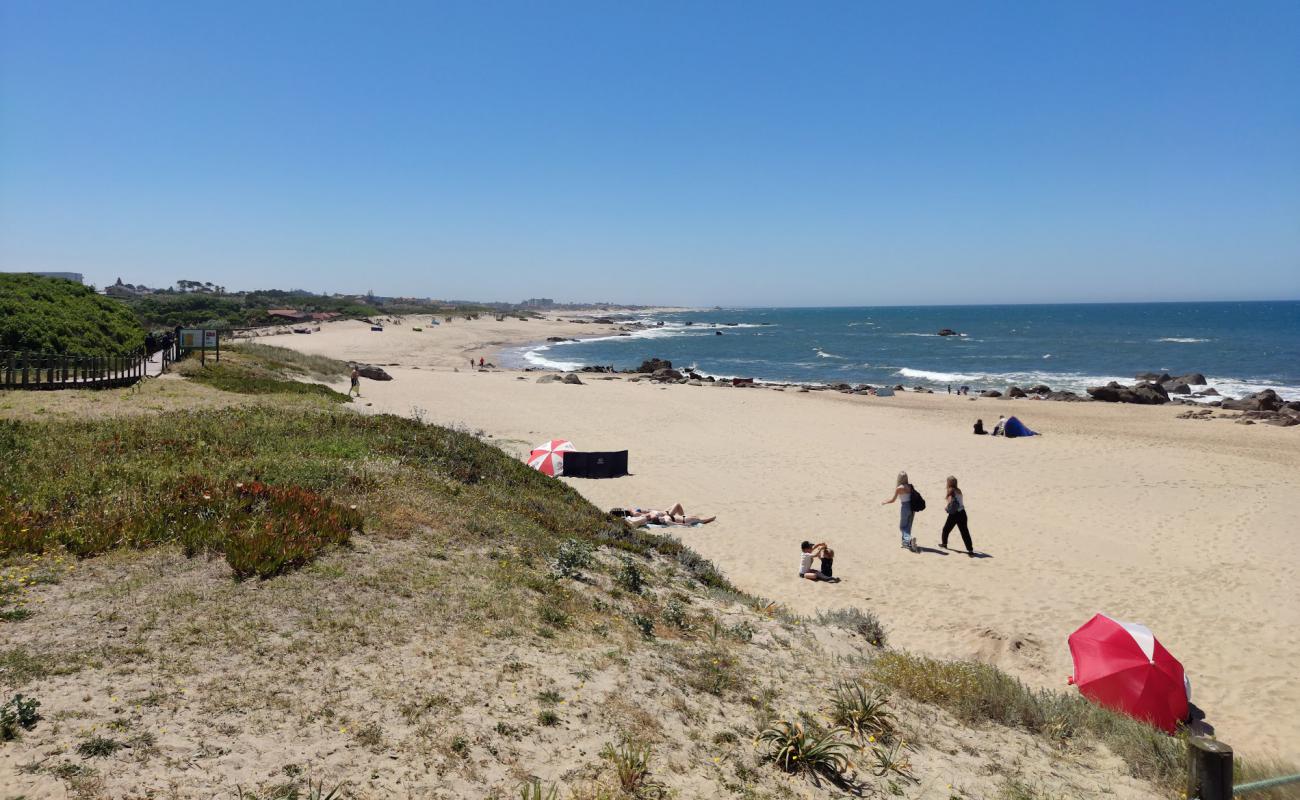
(717, 333)
(1016, 391)
(1211, 392)
(1040, 388)
(1154, 377)
(990, 393)
(654, 365)
(559, 339)
(1192, 379)
(372, 372)
(948, 332)
(1178, 387)
(572, 379)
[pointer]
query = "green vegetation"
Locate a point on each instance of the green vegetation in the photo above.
(18, 714)
(254, 379)
(798, 748)
(50, 315)
(976, 693)
(863, 712)
(286, 360)
(212, 308)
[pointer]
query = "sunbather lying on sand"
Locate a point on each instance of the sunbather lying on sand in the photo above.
(637, 517)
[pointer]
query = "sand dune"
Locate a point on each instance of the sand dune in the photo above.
(1181, 525)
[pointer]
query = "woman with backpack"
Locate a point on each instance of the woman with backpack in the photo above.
(956, 508)
(911, 502)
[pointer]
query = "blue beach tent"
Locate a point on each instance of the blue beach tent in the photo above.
(1014, 427)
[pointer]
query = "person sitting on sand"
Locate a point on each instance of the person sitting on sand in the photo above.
(809, 552)
(979, 428)
(998, 429)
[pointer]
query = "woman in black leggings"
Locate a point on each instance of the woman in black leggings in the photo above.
(956, 508)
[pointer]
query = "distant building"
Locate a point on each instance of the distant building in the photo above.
(285, 313)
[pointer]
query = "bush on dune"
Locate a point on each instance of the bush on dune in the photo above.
(51, 315)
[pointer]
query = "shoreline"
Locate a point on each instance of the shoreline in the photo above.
(1120, 509)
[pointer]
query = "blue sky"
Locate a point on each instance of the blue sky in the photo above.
(729, 153)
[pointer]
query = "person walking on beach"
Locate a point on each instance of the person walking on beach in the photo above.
(903, 494)
(955, 505)
(356, 383)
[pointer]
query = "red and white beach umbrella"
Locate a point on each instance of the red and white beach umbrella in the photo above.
(1121, 666)
(548, 457)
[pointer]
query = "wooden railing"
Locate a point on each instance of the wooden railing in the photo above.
(26, 370)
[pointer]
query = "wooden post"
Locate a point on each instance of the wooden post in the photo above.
(50, 368)
(26, 366)
(1209, 769)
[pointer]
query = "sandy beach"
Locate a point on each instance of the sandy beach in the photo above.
(1181, 525)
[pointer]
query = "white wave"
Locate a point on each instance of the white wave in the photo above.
(533, 356)
(1077, 382)
(823, 354)
(1182, 340)
(1047, 355)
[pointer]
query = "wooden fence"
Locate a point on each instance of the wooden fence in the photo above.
(21, 370)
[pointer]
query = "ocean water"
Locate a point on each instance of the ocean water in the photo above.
(1240, 347)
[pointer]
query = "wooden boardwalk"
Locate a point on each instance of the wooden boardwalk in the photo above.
(22, 370)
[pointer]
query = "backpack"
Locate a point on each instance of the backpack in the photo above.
(918, 502)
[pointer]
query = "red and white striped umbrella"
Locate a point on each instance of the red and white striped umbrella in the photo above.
(1121, 666)
(548, 457)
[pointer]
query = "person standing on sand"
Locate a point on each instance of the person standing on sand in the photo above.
(356, 383)
(955, 505)
(903, 494)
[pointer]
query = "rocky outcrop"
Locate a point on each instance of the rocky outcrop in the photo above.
(1192, 379)
(1267, 400)
(1040, 388)
(1016, 391)
(990, 393)
(371, 371)
(948, 332)
(549, 378)
(559, 339)
(653, 365)
(1068, 397)
(666, 374)
(572, 379)
(1145, 393)
(1178, 387)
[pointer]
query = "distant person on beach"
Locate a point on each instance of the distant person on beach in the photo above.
(356, 383)
(825, 572)
(480, 361)
(979, 428)
(950, 388)
(955, 505)
(903, 494)
(999, 429)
